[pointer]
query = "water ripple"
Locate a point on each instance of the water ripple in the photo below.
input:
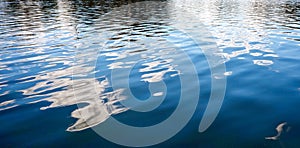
(63, 52)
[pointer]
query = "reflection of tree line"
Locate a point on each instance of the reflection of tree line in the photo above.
(104, 5)
(79, 10)
(287, 11)
(287, 7)
(292, 8)
(52, 4)
(88, 9)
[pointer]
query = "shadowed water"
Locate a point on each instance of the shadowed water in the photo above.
(57, 58)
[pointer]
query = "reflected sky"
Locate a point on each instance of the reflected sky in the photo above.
(240, 28)
(63, 52)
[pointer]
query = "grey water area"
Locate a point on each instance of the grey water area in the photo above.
(68, 66)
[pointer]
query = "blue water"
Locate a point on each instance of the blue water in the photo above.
(64, 64)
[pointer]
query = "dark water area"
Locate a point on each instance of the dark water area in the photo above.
(66, 66)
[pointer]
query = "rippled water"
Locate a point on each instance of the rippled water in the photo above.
(57, 59)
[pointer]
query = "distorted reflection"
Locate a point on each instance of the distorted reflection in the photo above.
(247, 34)
(63, 51)
(281, 129)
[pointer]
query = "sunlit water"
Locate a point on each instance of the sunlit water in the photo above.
(56, 60)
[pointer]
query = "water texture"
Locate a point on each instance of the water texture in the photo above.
(56, 56)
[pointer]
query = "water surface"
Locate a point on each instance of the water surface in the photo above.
(56, 56)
